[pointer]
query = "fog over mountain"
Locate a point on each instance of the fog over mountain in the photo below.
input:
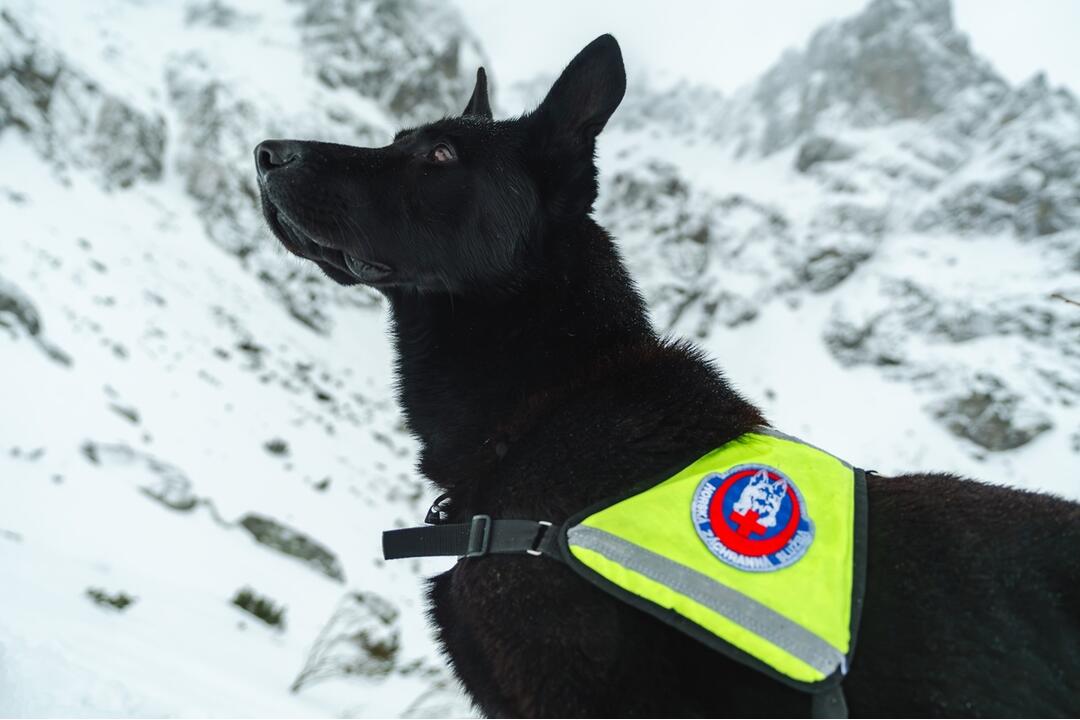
(878, 240)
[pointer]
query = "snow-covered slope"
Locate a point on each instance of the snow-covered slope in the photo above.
(199, 445)
(188, 413)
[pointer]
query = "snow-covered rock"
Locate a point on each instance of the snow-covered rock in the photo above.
(20, 318)
(416, 58)
(991, 416)
(290, 541)
(69, 118)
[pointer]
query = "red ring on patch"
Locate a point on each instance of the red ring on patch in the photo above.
(745, 545)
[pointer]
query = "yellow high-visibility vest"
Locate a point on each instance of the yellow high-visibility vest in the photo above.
(756, 549)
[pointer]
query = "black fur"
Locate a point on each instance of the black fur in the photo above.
(536, 386)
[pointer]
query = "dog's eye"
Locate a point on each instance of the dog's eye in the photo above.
(442, 153)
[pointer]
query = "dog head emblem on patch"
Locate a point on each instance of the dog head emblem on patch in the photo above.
(753, 517)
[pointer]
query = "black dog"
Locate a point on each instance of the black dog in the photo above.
(537, 387)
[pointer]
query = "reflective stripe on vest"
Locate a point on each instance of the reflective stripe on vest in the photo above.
(793, 615)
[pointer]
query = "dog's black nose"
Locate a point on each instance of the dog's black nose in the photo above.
(273, 154)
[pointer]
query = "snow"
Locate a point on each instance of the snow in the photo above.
(182, 648)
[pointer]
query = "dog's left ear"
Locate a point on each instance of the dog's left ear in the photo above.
(587, 93)
(567, 122)
(479, 104)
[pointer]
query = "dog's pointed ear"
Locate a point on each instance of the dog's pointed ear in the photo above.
(582, 100)
(479, 105)
(566, 124)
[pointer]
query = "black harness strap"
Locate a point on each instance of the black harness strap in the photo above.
(829, 704)
(482, 536)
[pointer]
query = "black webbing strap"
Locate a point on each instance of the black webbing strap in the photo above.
(482, 536)
(829, 704)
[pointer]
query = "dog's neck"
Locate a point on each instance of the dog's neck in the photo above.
(470, 366)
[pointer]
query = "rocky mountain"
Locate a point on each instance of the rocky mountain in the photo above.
(890, 177)
(879, 241)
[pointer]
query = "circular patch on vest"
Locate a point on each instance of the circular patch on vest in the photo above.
(752, 517)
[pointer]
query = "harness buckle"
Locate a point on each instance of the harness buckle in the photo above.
(437, 514)
(541, 531)
(479, 536)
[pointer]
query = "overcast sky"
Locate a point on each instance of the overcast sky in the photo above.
(728, 42)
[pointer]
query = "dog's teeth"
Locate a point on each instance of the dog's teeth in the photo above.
(365, 270)
(355, 265)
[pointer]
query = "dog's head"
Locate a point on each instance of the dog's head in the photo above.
(457, 203)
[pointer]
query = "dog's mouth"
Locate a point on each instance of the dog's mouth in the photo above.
(342, 266)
